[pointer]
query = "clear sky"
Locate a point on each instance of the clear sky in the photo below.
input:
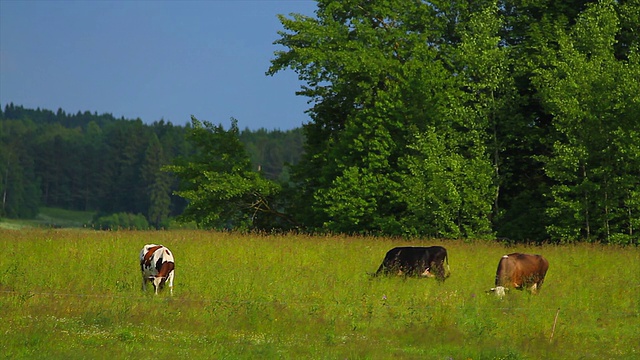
(151, 60)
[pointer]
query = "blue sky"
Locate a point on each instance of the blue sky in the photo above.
(151, 60)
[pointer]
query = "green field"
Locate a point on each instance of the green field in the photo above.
(51, 218)
(75, 294)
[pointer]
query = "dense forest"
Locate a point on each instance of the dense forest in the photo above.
(486, 119)
(516, 119)
(510, 119)
(98, 163)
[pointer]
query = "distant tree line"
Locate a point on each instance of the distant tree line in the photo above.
(110, 166)
(484, 119)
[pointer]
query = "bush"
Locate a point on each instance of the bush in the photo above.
(119, 221)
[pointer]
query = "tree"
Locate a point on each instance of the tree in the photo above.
(19, 186)
(455, 118)
(92, 160)
(157, 183)
(595, 100)
(383, 77)
(217, 181)
(123, 189)
(271, 151)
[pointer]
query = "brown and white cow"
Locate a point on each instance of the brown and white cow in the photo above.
(157, 266)
(520, 271)
(416, 261)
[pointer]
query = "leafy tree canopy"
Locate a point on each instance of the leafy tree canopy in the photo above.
(222, 190)
(468, 119)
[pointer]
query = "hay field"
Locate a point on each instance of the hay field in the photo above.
(76, 294)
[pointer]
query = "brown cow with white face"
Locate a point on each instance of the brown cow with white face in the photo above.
(520, 271)
(157, 266)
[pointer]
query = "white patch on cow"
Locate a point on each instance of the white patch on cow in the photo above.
(534, 288)
(505, 256)
(499, 291)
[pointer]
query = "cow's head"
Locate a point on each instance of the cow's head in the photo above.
(158, 282)
(500, 291)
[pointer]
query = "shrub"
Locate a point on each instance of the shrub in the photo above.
(122, 221)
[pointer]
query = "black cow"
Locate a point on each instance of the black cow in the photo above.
(416, 261)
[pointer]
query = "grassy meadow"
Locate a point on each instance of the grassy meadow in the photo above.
(51, 218)
(76, 294)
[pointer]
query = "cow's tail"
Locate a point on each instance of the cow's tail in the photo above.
(446, 259)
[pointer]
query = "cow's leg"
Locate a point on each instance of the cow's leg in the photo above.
(155, 280)
(439, 270)
(144, 283)
(426, 273)
(534, 288)
(171, 283)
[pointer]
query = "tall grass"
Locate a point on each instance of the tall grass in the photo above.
(77, 294)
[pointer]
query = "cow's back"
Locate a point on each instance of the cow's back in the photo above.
(147, 254)
(153, 256)
(533, 267)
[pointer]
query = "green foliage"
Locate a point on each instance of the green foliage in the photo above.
(158, 183)
(19, 191)
(441, 190)
(468, 119)
(272, 151)
(362, 197)
(595, 161)
(516, 120)
(121, 221)
(86, 162)
(217, 181)
(96, 163)
(378, 87)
